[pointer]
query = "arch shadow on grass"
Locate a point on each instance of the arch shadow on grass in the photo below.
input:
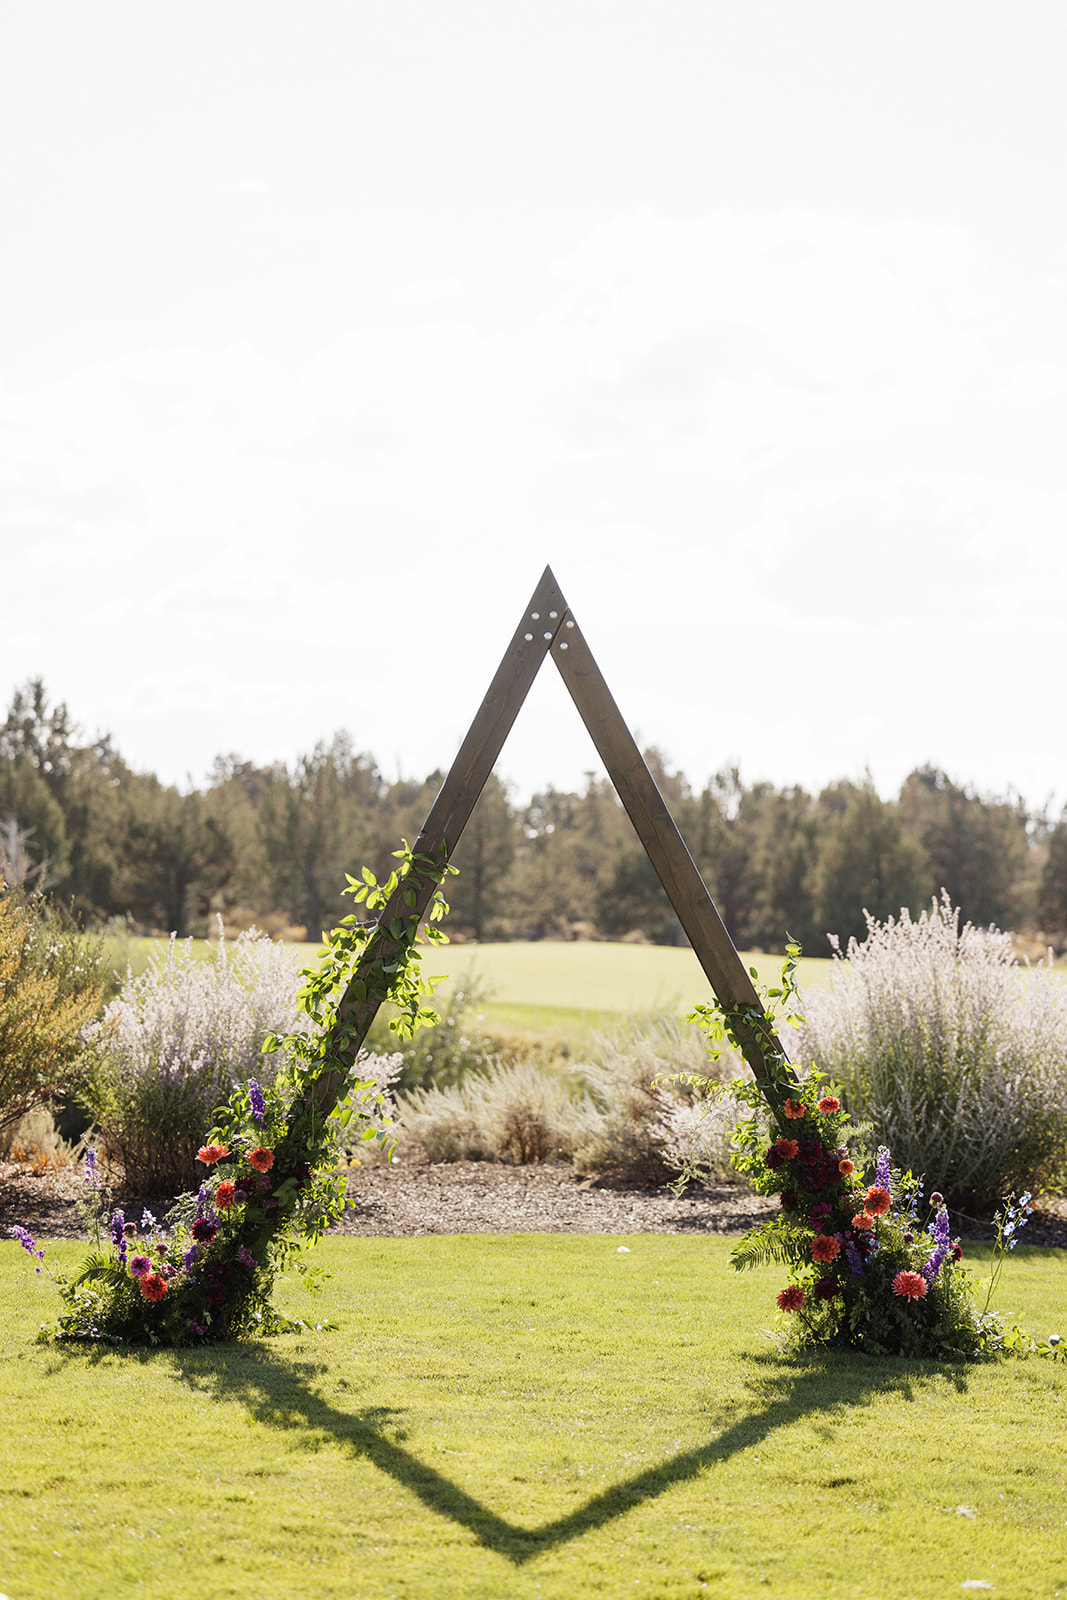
(285, 1394)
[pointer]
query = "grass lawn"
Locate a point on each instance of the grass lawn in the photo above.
(521, 1416)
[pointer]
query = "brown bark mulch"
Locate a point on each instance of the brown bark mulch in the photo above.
(411, 1199)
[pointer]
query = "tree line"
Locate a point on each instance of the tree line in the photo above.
(271, 845)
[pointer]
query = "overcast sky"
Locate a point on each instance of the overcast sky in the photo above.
(326, 326)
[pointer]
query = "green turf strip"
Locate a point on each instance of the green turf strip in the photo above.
(534, 1415)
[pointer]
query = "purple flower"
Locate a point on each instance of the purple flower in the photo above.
(942, 1240)
(90, 1168)
(855, 1260)
(881, 1170)
(245, 1257)
(196, 1327)
(140, 1266)
(27, 1241)
(148, 1221)
(270, 1205)
(190, 1256)
(255, 1097)
(118, 1234)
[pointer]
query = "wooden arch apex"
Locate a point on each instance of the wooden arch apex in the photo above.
(548, 627)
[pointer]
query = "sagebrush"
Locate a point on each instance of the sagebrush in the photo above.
(953, 1052)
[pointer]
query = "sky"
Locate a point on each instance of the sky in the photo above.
(326, 327)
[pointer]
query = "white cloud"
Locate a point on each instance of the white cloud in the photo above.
(742, 440)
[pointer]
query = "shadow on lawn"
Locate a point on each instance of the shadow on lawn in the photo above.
(284, 1395)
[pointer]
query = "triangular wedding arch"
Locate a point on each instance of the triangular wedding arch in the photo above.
(547, 627)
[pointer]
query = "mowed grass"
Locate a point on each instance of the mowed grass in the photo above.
(521, 1416)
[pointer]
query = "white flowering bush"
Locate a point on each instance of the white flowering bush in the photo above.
(953, 1052)
(174, 1044)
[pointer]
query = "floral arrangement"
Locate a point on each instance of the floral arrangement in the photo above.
(270, 1184)
(872, 1265)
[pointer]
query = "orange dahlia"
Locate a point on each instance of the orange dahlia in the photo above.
(153, 1287)
(878, 1201)
(788, 1149)
(791, 1298)
(224, 1195)
(824, 1247)
(795, 1109)
(846, 1168)
(909, 1285)
(210, 1153)
(829, 1103)
(261, 1158)
(864, 1222)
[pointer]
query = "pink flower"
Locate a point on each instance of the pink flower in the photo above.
(140, 1266)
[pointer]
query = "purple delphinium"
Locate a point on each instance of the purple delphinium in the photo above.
(28, 1243)
(197, 1328)
(245, 1257)
(255, 1100)
(148, 1221)
(140, 1266)
(941, 1232)
(881, 1170)
(855, 1260)
(118, 1235)
(190, 1256)
(90, 1168)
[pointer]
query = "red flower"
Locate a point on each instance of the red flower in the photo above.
(824, 1247)
(829, 1103)
(846, 1168)
(826, 1288)
(788, 1149)
(909, 1285)
(795, 1109)
(792, 1298)
(864, 1222)
(878, 1201)
(153, 1287)
(211, 1153)
(957, 1252)
(261, 1158)
(224, 1195)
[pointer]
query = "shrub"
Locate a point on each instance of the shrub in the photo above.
(51, 983)
(955, 1054)
(650, 1130)
(174, 1044)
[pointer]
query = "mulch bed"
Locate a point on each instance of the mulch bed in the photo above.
(411, 1199)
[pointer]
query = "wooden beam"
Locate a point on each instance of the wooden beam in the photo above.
(656, 830)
